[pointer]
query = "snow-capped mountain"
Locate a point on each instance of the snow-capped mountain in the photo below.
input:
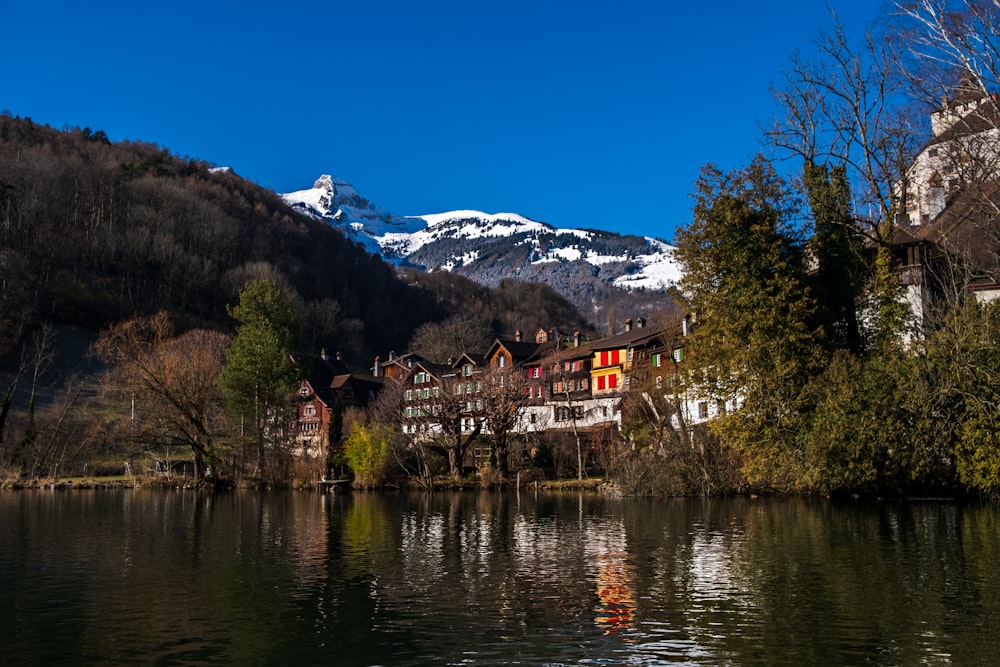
(588, 267)
(337, 202)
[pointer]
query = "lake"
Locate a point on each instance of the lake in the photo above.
(186, 578)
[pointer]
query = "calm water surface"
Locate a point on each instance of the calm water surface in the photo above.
(182, 578)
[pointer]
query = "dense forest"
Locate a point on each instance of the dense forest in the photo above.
(121, 272)
(93, 232)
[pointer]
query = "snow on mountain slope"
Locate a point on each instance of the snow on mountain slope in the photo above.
(337, 202)
(485, 246)
(457, 225)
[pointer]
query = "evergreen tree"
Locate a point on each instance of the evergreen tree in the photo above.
(754, 345)
(258, 377)
(839, 252)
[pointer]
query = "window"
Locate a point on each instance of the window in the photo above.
(625, 379)
(437, 392)
(702, 410)
(656, 360)
(678, 355)
(615, 356)
(310, 410)
(628, 355)
(304, 391)
(659, 382)
(578, 412)
(501, 361)
(408, 395)
(600, 383)
(467, 370)
(612, 381)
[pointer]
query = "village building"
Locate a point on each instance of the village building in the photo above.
(947, 237)
(327, 389)
(422, 394)
(395, 367)
(569, 388)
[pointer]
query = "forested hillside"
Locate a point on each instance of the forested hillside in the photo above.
(93, 231)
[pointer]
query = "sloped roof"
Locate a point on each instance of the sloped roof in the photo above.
(468, 357)
(437, 370)
(969, 225)
(636, 337)
(983, 118)
(328, 376)
(522, 351)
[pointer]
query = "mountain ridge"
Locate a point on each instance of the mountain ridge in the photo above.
(592, 268)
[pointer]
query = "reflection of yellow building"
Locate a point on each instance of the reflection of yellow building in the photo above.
(615, 612)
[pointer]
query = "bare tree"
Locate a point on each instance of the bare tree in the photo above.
(173, 379)
(447, 414)
(570, 383)
(505, 394)
(36, 357)
(948, 39)
(844, 108)
(440, 341)
(954, 63)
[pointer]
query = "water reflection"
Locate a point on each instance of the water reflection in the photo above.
(367, 579)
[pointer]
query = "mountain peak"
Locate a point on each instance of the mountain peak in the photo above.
(487, 247)
(324, 182)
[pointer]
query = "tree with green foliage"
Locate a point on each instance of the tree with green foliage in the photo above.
(841, 107)
(960, 378)
(258, 377)
(367, 450)
(754, 345)
(842, 260)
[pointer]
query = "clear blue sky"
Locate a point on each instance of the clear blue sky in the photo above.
(575, 113)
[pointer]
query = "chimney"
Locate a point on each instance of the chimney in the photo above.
(377, 368)
(323, 355)
(576, 338)
(392, 355)
(339, 357)
(686, 325)
(517, 336)
(640, 322)
(628, 324)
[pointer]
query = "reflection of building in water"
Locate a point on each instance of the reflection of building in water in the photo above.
(306, 531)
(615, 612)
